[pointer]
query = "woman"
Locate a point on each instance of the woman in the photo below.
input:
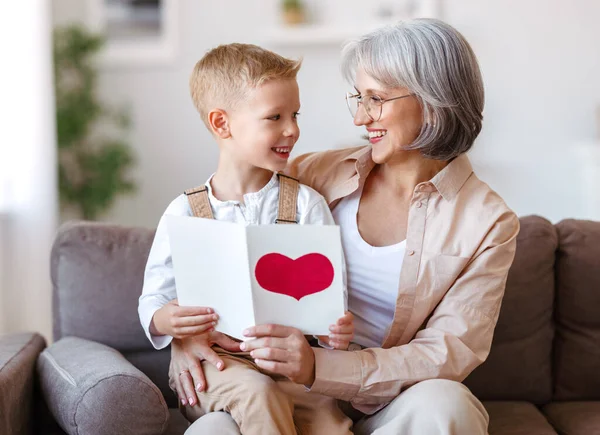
(428, 245)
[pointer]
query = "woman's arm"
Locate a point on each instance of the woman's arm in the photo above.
(456, 339)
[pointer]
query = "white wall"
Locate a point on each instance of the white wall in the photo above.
(540, 61)
(28, 214)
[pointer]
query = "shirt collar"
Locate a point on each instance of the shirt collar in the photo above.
(447, 182)
(248, 197)
(451, 179)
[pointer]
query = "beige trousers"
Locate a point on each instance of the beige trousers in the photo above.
(260, 404)
(429, 407)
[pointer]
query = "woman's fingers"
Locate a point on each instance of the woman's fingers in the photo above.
(341, 329)
(266, 342)
(225, 342)
(197, 373)
(211, 356)
(271, 354)
(269, 330)
(180, 391)
(187, 384)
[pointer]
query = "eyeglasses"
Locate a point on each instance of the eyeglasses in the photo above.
(371, 103)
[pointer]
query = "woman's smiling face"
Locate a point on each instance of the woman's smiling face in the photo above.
(400, 122)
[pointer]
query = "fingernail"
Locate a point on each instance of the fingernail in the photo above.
(220, 365)
(199, 388)
(243, 345)
(213, 323)
(191, 400)
(246, 332)
(183, 402)
(215, 317)
(209, 311)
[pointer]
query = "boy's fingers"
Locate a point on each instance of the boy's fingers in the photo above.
(197, 320)
(190, 331)
(192, 311)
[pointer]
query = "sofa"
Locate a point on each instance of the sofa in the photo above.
(101, 375)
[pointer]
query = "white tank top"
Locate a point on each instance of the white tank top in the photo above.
(373, 276)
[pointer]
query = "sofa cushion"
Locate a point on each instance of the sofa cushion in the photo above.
(97, 273)
(155, 365)
(516, 418)
(519, 366)
(574, 418)
(577, 349)
(92, 389)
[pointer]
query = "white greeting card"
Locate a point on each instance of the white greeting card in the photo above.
(284, 274)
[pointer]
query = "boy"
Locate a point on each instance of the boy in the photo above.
(249, 100)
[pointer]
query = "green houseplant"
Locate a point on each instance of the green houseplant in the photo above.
(93, 159)
(293, 12)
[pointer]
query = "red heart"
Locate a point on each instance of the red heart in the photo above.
(309, 274)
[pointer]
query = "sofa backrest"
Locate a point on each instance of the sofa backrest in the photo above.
(519, 366)
(97, 274)
(577, 314)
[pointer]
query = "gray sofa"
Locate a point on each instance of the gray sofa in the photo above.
(102, 376)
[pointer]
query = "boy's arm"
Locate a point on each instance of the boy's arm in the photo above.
(159, 279)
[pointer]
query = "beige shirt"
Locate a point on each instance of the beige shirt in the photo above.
(460, 243)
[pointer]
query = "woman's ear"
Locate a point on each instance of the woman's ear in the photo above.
(218, 120)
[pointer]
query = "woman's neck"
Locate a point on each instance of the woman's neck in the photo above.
(232, 181)
(402, 174)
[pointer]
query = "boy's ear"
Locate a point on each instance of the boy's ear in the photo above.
(219, 123)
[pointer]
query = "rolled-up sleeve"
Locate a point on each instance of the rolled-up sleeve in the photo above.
(455, 339)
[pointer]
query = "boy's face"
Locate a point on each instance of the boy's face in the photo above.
(264, 127)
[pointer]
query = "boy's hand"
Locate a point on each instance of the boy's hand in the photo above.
(341, 334)
(182, 322)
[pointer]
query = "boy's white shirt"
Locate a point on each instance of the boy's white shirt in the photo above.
(258, 208)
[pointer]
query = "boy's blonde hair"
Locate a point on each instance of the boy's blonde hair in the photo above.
(226, 74)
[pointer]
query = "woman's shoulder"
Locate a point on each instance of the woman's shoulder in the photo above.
(487, 206)
(310, 168)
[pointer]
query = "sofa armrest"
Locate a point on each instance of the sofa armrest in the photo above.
(18, 354)
(91, 388)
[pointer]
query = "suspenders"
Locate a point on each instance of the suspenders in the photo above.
(286, 212)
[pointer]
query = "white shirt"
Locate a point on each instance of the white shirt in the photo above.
(258, 208)
(373, 276)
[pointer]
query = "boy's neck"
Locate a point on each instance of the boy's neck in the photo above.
(231, 182)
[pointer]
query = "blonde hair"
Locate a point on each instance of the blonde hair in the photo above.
(226, 75)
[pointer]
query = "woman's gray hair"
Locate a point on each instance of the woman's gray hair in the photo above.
(433, 61)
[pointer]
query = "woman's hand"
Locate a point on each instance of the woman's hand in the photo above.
(185, 369)
(181, 322)
(282, 350)
(341, 333)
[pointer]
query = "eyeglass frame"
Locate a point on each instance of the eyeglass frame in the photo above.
(380, 103)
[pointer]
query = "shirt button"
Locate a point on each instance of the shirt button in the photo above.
(411, 252)
(419, 204)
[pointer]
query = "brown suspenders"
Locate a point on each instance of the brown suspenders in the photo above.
(286, 212)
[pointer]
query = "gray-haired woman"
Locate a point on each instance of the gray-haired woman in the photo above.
(428, 248)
